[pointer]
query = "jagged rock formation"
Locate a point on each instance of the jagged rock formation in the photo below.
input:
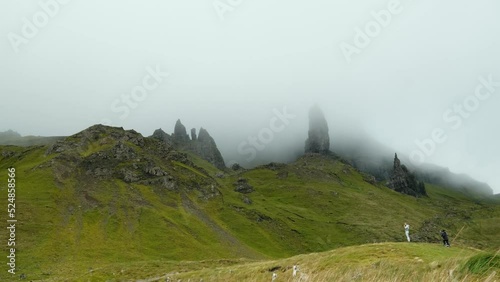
(180, 135)
(206, 148)
(203, 145)
(193, 134)
(318, 139)
(405, 182)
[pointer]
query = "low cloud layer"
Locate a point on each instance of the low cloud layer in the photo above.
(422, 78)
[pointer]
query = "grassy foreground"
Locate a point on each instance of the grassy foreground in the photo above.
(370, 262)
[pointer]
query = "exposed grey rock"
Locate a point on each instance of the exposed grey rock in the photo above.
(155, 171)
(210, 192)
(193, 134)
(163, 136)
(180, 135)
(370, 179)
(100, 172)
(166, 182)
(403, 181)
(97, 133)
(318, 140)
(206, 148)
(131, 136)
(246, 200)
(129, 175)
(242, 186)
(274, 166)
(123, 152)
(236, 166)
(7, 154)
(55, 148)
(203, 145)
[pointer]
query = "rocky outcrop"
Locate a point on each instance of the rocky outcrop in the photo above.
(206, 148)
(318, 140)
(96, 133)
(193, 134)
(180, 135)
(202, 144)
(163, 136)
(405, 182)
(102, 153)
(242, 186)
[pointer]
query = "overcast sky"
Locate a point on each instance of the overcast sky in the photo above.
(402, 71)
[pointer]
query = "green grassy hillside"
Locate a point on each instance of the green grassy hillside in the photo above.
(369, 262)
(109, 201)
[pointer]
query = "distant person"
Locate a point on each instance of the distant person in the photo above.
(295, 268)
(407, 231)
(445, 238)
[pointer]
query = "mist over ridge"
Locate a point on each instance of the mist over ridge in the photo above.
(402, 84)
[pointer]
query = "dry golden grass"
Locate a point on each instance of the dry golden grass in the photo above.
(373, 262)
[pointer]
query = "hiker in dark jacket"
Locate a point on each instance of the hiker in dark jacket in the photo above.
(445, 238)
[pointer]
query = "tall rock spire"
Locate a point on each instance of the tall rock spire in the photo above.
(180, 135)
(318, 140)
(397, 162)
(205, 147)
(403, 181)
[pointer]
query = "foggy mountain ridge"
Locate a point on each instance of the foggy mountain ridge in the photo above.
(12, 137)
(357, 148)
(374, 158)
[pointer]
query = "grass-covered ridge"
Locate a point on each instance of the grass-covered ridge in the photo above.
(370, 262)
(111, 201)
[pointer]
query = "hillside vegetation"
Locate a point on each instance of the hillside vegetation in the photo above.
(110, 204)
(370, 262)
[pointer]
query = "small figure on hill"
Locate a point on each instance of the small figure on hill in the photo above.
(274, 276)
(407, 231)
(295, 268)
(445, 238)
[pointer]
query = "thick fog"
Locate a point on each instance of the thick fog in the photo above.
(420, 77)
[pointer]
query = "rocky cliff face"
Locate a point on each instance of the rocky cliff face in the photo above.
(101, 154)
(206, 148)
(403, 181)
(318, 139)
(202, 144)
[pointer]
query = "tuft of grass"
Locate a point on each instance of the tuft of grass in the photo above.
(483, 264)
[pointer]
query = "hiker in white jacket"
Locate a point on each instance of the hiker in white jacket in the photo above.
(407, 231)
